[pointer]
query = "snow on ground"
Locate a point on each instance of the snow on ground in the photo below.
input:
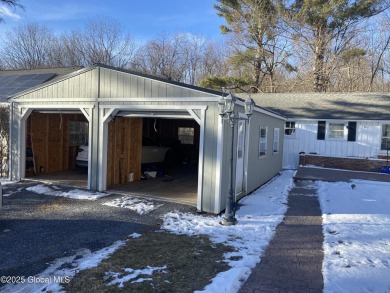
(257, 217)
(75, 193)
(141, 206)
(130, 275)
(356, 225)
(4, 182)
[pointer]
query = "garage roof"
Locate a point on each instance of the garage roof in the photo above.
(12, 84)
(16, 81)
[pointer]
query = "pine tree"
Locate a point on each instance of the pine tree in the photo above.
(251, 25)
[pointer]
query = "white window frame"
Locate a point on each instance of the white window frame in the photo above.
(385, 137)
(291, 129)
(328, 130)
(263, 142)
(275, 146)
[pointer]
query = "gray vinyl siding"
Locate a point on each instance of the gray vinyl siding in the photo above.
(14, 166)
(210, 160)
(225, 161)
(99, 90)
(116, 84)
(262, 169)
(258, 170)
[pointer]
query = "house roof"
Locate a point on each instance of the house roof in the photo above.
(345, 106)
(16, 81)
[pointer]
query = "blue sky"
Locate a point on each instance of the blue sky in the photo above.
(142, 19)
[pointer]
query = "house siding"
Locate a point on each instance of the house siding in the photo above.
(367, 144)
(262, 169)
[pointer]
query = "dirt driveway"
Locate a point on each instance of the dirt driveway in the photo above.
(36, 229)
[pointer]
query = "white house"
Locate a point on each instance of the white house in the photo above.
(326, 126)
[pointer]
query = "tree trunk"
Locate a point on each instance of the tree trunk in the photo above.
(272, 83)
(319, 57)
(257, 74)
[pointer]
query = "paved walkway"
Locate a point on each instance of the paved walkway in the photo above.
(292, 261)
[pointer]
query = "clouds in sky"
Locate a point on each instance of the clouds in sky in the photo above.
(142, 19)
(5, 12)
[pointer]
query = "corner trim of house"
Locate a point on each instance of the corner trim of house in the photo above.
(218, 166)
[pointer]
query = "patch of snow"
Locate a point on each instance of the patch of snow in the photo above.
(129, 274)
(62, 270)
(356, 226)
(258, 216)
(4, 182)
(83, 194)
(135, 235)
(40, 189)
(74, 194)
(141, 206)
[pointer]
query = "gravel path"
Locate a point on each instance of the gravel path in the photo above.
(37, 229)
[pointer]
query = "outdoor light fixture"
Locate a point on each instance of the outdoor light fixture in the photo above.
(226, 111)
(249, 104)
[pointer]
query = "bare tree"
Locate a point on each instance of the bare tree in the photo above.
(35, 46)
(27, 47)
(102, 41)
(193, 50)
(105, 42)
(378, 44)
(164, 56)
(327, 26)
(67, 51)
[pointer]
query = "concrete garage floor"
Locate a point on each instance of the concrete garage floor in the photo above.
(179, 184)
(77, 178)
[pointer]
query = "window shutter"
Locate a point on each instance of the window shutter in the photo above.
(321, 130)
(351, 131)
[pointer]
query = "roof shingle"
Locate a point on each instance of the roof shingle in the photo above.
(348, 106)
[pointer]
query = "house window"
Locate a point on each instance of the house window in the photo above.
(289, 128)
(78, 133)
(276, 140)
(263, 141)
(186, 135)
(385, 144)
(336, 130)
(321, 130)
(352, 125)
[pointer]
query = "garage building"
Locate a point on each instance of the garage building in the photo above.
(113, 109)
